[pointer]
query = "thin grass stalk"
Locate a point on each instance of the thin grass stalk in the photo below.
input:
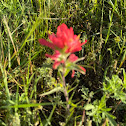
(31, 31)
(121, 18)
(40, 119)
(101, 25)
(50, 116)
(32, 2)
(28, 105)
(17, 95)
(101, 39)
(125, 6)
(9, 56)
(124, 55)
(40, 9)
(110, 23)
(122, 61)
(1, 49)
(34, 91)
(8, 29)
(3, 71)
(4, 74)
(28, 72)
(5, 81)
(17, 28)
(65, 90)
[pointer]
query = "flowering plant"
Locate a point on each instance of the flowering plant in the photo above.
(64, 44)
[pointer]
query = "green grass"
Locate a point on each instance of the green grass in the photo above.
(26, 76)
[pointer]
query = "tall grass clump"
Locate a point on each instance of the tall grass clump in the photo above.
(32, 92)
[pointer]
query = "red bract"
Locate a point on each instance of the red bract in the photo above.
(73, 72)
(56, 58)
(80, 69)
(64, 38)
(73, 58)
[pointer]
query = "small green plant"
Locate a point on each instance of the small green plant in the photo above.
(115, 87)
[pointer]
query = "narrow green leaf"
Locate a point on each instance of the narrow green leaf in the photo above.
(124, 76)
(27, 105)
(50, 116)
(110, 118)
(52, 91)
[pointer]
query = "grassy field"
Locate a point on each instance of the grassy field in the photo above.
(31, 92)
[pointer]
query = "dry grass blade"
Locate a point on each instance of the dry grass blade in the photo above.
(8, 29)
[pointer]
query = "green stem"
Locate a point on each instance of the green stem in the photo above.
(65, 90)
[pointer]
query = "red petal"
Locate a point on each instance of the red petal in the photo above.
(84, 42)
(57, 63)
(63, 27)
(58, 42)
(55, 56)
(74, 48)
(46, 43)
(73, 57)
(83, 70)
(73, 72)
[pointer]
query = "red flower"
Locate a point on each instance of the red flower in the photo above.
(64, 43)
(64, 38)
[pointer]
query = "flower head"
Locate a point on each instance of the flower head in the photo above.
(64, 44)
(64, 39)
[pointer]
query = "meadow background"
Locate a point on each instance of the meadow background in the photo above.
(30, 92)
